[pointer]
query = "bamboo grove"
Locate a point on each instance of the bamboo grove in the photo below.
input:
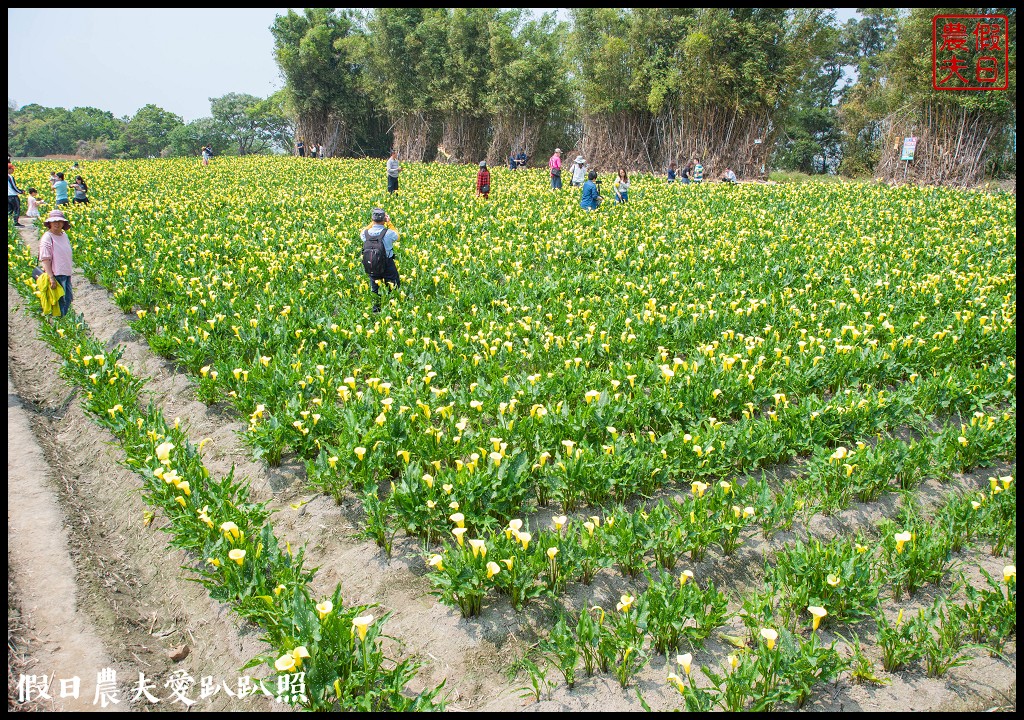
(754, 89)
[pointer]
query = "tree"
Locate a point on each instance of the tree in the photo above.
(405, 53)
(146, 134)
(811, 135)
(528, 88)
(253, 125)
(320, 56)
(186, 140)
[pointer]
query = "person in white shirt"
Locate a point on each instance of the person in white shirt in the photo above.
(393, 168)
(579, 172)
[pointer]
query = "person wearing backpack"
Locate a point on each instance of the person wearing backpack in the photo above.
(379, 253)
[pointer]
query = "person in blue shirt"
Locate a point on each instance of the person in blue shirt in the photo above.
(511, 160)
(521, 160)
(672, 172)
(591, 198)
(382, 224)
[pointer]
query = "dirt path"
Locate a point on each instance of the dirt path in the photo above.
(40, 563)
(103, 590)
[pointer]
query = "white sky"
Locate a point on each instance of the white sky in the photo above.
(121, 60)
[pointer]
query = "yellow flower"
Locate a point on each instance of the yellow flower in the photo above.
(698, 488)
(840, 454)
(675, 680)
(509, 562)
(726, 487)
(479, 547)
(685, 660)
(332, 461)
(230, 530)
(404, 454)
(962, 440)
(552, 551)
(559, 521)
(569, 445)
(684, 576)
(901, 539)
(492, 569)
(361, 624)
(1009, 573)
(436, 561)
(285, 663)
(359, 451)
(734, 661)
(213, 561)
(163, 452)
(428, 479)
(299, 653)
(832, 580)
(237, 554)
(324, 608)
(448, 487)
(589, 527)
(524, 539)
(818, 613)
(592, 395)
(625, 602)
(495, 457)
(459, 519)
(458, 533)
(770, 636)
(861, 548)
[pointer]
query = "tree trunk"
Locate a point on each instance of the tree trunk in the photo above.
(952, 145)
(719, 137)
(463, 139)
(512, 132)
(413, 134)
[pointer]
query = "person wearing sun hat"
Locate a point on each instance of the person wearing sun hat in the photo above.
(579, 172)
(555, 168)
(55, 256)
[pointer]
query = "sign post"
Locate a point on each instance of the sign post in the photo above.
(909, 146)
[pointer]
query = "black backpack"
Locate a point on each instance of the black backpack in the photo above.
(374, 255)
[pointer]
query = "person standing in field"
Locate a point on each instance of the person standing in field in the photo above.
(33, 203)
(672, 171)
(698, 171)
(621, 187)
(301, 148)
(591, 198)
(393, 168)
(684, 176)
(14, 194)
(555, 168)
(511, 159)
(60, 189)
(205, 153)
(483, 180)
(579, 172)
(55, 256)
(379, 253)
(81, 191)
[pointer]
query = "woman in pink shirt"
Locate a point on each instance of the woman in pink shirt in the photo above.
(55, 256)
(555, 166)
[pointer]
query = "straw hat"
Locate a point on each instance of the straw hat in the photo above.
(54, 216)
(579, 159)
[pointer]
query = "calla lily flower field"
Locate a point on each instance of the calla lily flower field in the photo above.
(647, 397)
